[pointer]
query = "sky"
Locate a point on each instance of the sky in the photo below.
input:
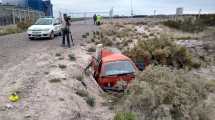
(123, 7)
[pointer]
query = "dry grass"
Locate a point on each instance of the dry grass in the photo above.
(72, 57)
(92, 49)
(62, 66)
(80, 77)
(57, 54)
(55, 80)
(82, 93)
(23, 25)
(91, 101)
(163, 93)
(125, 116)
(10, 30)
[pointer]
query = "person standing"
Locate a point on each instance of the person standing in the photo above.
(94, 18)
(98, 19)
(66, 30)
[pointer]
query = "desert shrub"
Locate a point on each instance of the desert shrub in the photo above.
(87, 34)
(72, 57)
(125, 116)
(84, 36)
(161, 51)
(62, 66)
(172, 24)
(82, 93)
(10, 30)
(80, 77)
(187, 25)
(57, 54)
(106, 41)
(23, 25)
(92, 49)
(163, 93)
(91, 101)
(208, 19)
(55, 80)
(92, 40)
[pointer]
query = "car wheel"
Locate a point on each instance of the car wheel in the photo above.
(31, 38)
(52, 35)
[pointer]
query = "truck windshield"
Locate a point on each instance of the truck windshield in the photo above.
(44, 22)
(117, 68)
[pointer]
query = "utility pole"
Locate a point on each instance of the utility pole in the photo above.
(111, 14)
(200, 10)
(132, 10)
(13, 14)
(155, 13)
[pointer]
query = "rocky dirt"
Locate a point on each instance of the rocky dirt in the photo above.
(34, 70)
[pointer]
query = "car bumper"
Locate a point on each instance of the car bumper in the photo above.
(41, 34)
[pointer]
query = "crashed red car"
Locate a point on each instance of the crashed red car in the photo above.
(113, 70)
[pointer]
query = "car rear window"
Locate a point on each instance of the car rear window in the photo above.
(117, 68)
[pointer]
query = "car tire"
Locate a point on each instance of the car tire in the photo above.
(52, 35)
(31, 38)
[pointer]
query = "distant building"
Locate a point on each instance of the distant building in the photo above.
(48, 8)
(179, 11)
(40, 5)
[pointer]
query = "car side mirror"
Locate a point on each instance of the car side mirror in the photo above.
(140, 66)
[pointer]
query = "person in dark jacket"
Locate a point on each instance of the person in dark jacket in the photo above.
(66, 30)
(94, 18)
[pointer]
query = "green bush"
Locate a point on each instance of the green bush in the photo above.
(125, 116)
(161, 51)
(161, 93)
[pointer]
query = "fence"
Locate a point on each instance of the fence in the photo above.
(10, 16)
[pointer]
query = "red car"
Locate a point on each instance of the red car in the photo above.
(113, 70)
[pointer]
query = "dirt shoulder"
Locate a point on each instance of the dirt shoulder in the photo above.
(48, 91)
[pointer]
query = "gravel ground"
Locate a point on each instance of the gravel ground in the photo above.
(47, 91)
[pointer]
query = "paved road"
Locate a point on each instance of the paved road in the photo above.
(17, 47)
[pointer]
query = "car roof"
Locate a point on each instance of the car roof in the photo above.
(115, 57)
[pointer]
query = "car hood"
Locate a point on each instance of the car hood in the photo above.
(40, 27)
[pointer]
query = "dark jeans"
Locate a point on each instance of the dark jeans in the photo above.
(66, 35)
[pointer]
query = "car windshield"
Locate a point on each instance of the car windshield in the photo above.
(117, 68)
(44, 22)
